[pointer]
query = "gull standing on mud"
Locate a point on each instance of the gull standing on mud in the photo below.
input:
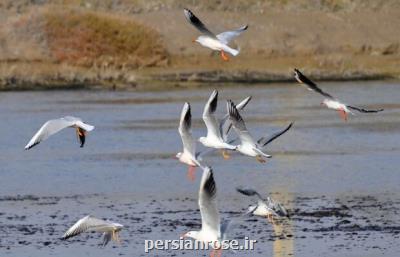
(53, 126)
(247, 144)
(330, 101)
(188, 156)
(215, 42)
(268, 209)
(211, 232)
(109, 229)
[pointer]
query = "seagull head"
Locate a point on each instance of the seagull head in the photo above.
(324, 102)
(177, 156)
(191, 234)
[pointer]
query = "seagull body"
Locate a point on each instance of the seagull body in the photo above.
(329, 101)
(188, 156)
(269, 208)
(53, 126)
(248, 146)
(215, 42)
(88, 223)
(214, 138)
(211, 232)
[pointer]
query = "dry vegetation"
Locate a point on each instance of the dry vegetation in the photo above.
(64, 43)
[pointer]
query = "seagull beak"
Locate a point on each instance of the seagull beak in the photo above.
(182, 236)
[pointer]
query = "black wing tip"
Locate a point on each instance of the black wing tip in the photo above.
(245, 27)
(209, 185)
(246, 191)
(27, 148)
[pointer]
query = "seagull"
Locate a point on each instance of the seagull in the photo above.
(53, 126)
(109, 229)
(330, 101)
(217, 131)
(247, 145)
(269, 208)
(212, 232)
(215, 42)
(188, 156)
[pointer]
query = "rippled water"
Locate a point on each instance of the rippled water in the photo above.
(339, 179)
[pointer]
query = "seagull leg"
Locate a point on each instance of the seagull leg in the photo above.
(191, 173)
(225, 154)
(342, 114)
(219, 252)
(260, 159)
(212, 253)
(224, 56)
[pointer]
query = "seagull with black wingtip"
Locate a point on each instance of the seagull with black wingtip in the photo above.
(269, 208)
(212, 231)
(248, 146)
(215, 42)
(330, 101)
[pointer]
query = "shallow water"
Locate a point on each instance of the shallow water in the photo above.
(339, 179)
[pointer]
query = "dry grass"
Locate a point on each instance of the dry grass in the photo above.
(89, 39)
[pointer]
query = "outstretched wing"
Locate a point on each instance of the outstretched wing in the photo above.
(209, 118)
(364, 110)
(310, 84)
(210, 221)
(197, 23)
(266, 140)
(238, 124)
(87, 223)
(226, 124)
(226, 37)
(249, 192)
(185, 130)
(51, 127)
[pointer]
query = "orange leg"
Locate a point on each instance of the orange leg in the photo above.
(225, 154)
(260, 159)
(191, 173)
(224, 56)
(342, 114)
(212, 254)
(219, 252)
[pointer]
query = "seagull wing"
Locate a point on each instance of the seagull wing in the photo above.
(210, 221)
(209, 116)
(226, 124)
(249, 192)
(266, 140)
(185, 130)
(197, 23)
(226, 37)
(87, 223)
(53, 126)
(238, 124)
(277, 207)
(364, 110)
(310, 84)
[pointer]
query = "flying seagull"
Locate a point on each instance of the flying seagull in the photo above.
(269, 208)
(215, 42)
(109, 229)
(212, 231)
(248, 146)
(330, 101)
(53, 126)
(188, 156)
(214, 138)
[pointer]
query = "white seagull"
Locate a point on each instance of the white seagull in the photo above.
(248, 146)
(217, 131)
(212, 232)
(215, 42)
(188, 156)
(53, 126)
(269, 208)
(109, 229)
(330, 101)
